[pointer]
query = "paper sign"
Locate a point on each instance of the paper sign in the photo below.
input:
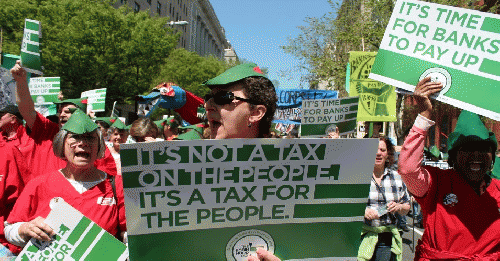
(289, 109)
(320, 117)
(377, 100)
(44, 90)
(96, 99)
(455, 46)
(77, 238)
(219, 199)
(30, 47)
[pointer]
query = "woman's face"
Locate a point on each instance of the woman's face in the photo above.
(118, 137)
(382, 154)
(229, 121)
(169, 131)
(474, 160)
(81, 150)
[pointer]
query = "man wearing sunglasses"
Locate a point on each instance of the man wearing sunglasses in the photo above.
(241, 104)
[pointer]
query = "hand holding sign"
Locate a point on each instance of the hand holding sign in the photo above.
(424, 89)
(37, 229)
(18, 72)
(263, 255)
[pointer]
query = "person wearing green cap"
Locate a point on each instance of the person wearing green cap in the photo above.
(41, 131)
(169, 127)
(460, 205)
(104, 124)
(118, 134)
(241, 103)
(79, 143)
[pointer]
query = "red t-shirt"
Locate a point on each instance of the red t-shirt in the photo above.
(14, 174)
(469, 227)
(34, 201)
(42, 159)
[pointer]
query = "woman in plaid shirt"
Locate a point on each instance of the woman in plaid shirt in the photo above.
(388, 195)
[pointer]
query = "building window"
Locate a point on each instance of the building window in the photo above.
(137, 7)
(158, 7)
(149, 2)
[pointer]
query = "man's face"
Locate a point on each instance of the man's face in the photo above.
(65, 113)
(6, 120)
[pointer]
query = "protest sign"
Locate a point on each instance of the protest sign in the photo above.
(219, 199)
(289, 109)
(44, 90)
(77, 238)
(320, 117)
(30, 47)
(96, 99)
(455, 46)
(377, 100)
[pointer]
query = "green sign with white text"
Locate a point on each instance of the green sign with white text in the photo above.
(320, 117)
(220, 199)
(44, 90)
(455, 46)
(77, 238)
(96, 99)
(30, 47)
(377, 100)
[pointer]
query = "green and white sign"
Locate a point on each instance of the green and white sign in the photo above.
(377, 100)
(30, 47)
(320, 117)
(96, 99)
(458, 47)
(220, 199)
(77, 238)
(44, 90)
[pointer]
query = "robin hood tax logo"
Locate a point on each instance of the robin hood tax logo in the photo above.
(246, 243)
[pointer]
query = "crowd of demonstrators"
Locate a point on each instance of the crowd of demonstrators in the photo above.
(75, 158)
(460, 206)
(79, 143)
(41, 131)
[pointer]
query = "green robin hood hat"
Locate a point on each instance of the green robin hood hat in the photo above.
(117, 123)
(108, 120)
(235, 74)
(80, 103)
(170, 121)
(190, 135)
(470, 128)
(79, 123)
(197, 127)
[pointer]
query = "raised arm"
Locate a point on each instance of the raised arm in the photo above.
(23, 97)
(416, 178)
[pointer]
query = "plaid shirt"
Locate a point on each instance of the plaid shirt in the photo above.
(391, 188)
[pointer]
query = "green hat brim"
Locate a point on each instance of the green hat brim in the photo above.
(119, 124)
(77, 102)
(470, 128)
(106, 119)
(190, 135)
(235, 74)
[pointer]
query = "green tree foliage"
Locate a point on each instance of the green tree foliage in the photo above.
(91, 45)
(189, 71)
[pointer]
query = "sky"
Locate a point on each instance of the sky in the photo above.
(257, 28)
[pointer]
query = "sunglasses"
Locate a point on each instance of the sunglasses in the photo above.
(225, 97)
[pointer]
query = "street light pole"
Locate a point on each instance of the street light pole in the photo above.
(178, 23)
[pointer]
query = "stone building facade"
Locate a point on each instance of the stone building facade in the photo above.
(202, 34)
